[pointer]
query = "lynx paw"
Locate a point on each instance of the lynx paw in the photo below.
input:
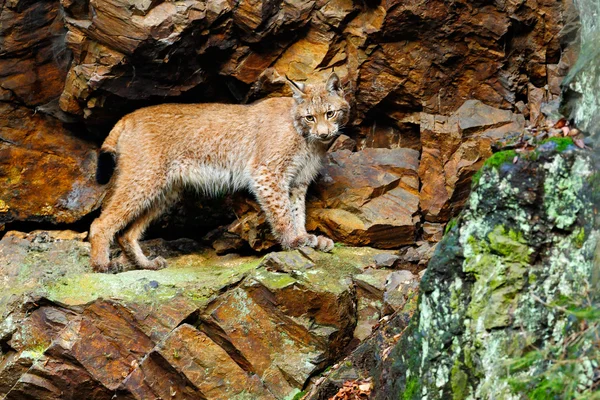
(324, 244)
(102, 268)
(304, 241)
(112, 268)
(156, 264)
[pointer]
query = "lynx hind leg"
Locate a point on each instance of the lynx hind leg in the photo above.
(116, 214)
(128, 201)
(129, 240)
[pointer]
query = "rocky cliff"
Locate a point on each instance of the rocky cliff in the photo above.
(433, 86)
(508, 307)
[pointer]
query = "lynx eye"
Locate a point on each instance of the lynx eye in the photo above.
(330, 114)
(310, 118)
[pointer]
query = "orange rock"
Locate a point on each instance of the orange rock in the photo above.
(368, 198)
(33, 58)
(46, 173)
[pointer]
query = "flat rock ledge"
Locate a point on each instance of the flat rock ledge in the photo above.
(207, 327)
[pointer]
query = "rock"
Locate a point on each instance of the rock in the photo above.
(34, 58)
(582, 82)
(454, 148)
(44, 177)
(287, 262)
(227, 243)
(399, 288)
(343, 142)
(252, 225)
(143, 51)
(488, 299)
(368, 197)
(381, 292)
(206, 327)
(385, 260)
(433, 232)
(91, 62)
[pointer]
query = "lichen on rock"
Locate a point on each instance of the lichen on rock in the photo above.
(491, 320)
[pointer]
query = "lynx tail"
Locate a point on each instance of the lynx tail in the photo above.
(108, 154)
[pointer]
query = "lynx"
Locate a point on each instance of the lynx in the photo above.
(272, 147)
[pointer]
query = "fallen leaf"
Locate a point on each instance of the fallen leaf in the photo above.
(560, 123)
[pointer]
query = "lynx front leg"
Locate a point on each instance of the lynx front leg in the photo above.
(274, 199)
(298, 200)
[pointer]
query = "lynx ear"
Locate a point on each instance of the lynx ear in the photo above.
(333, 84)
(297, 90)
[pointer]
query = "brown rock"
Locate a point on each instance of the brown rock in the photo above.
(46, 173)
(390, 53)
(155, 377)
(269, 341)
(208, 367)
(535, 97)
(368, 197)
(252, 225)
(433, 232)
(343, 142)
(206, 327)
(454, 148)
(33, 56)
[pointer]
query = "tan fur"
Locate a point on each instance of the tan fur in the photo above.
(273, 147)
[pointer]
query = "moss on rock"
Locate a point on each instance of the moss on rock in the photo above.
(525, 241)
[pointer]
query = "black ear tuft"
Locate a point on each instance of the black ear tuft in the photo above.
(105, 168)
(333, 84)
(297, 90)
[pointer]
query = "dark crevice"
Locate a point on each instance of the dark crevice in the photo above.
(219, 336)
(81, 225)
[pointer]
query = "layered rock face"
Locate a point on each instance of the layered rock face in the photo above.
(205, 328)
(501, 311)
(432, 86)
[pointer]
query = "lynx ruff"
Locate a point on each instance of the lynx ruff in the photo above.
(273, 147)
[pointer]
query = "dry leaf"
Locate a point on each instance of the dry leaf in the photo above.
(560, 123)
(579, 143)
(515, 159)
(359, 389)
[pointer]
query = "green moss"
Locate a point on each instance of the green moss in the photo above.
(197, 283)
(413, 387)
(458, 381)
(509, 244)
(579, 237)
(451, 224)
(35, 352)
(561, 142)
(299, 395)
(499, 265)
(495, 161)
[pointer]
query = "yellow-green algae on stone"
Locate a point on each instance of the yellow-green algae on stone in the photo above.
(197, 282)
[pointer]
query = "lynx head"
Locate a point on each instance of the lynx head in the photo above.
(320, 111)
